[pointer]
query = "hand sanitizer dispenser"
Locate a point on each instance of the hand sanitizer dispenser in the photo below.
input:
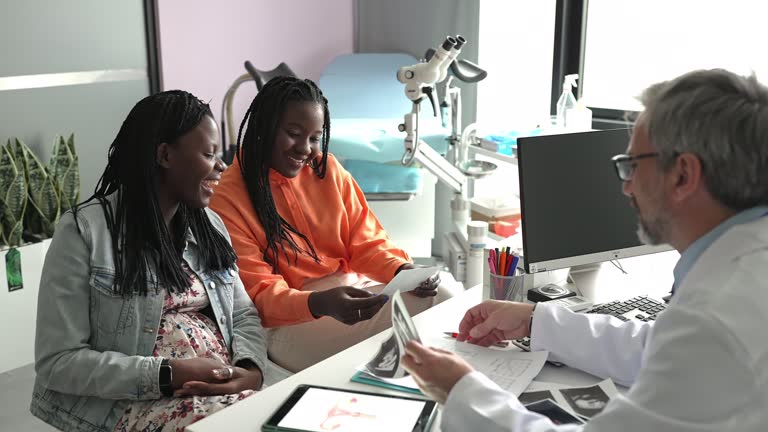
(567, 101)
(579, 118)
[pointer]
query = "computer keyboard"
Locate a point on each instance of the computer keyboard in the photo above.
(641, 308)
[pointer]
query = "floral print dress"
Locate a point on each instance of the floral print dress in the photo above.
(185, 332)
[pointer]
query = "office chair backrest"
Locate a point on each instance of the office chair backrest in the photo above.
(262, 77)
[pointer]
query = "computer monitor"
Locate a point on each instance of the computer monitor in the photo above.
(573, 210)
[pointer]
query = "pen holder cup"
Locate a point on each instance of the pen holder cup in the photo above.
(512, 288)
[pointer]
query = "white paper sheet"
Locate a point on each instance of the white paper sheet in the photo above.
(408, 280)
(512, 370)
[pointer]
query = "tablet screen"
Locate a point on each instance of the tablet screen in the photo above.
(321, 409)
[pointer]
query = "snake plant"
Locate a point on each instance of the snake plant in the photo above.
(64, 169)
(13, 196)
(43, 212)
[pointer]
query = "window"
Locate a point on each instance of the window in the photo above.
(516, 49)
(631, 45)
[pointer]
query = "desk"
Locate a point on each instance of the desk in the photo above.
(251, 413)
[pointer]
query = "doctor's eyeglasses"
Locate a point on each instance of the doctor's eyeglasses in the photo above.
(625, 164)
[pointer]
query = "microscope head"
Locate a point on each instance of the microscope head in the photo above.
(452, 55)
(434, 70)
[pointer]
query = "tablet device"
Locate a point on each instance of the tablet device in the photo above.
(318, 409)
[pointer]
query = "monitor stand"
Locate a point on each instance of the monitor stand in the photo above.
(582, 275)
(585, 268)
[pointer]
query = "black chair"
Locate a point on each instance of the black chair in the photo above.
(227, 129)
(262, 77)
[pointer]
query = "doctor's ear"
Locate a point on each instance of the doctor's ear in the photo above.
(163, 156)
(689, 174)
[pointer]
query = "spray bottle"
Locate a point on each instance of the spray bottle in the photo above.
(567, 101)
(579, 118)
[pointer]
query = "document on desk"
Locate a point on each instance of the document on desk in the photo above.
(512, 370)
(408, 280)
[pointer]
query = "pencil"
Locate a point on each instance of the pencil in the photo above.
(454, 335)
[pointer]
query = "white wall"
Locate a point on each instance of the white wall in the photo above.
(17, 321)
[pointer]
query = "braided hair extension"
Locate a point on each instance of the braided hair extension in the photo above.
(140, 238)
(262, 120)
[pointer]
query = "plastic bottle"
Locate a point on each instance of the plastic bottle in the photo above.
(477, 231)
(567, 101)
(579, 118)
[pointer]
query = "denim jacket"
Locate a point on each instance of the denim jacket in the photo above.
(93, 348)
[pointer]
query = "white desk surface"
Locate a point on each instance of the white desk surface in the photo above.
(650, 275)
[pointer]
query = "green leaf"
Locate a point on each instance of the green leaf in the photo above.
(65, 172)
(59, 159)
(13, 188)
(20, 155)
(14, 236)
(42, 191)
(13, 194)
(69, 192)
(71, 145)
(2, 230)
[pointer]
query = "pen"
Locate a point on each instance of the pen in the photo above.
(502, 263)
(491, 265)
(513, 266)
(454, 335)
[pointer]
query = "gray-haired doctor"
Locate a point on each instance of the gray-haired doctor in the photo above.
(696, 172)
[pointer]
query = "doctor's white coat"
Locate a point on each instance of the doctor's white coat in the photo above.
(702, 366)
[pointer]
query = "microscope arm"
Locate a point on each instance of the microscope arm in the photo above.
(440, 167)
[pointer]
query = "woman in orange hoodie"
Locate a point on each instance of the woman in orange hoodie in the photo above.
(311, 253)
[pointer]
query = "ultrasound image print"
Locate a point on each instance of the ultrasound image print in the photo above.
(386, 362)
(586, 401)
(553, 411)
(535, 396)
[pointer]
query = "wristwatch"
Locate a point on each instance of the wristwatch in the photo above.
(166, 378)
(530, 323)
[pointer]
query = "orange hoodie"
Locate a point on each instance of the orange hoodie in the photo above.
(332, 213)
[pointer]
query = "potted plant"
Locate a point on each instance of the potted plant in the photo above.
(32, 197)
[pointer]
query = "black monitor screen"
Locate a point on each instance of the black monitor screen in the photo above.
(571, 200)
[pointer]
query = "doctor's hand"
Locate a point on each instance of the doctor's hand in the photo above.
(427, 288)
(436, 371)
(346, 304)
(493, 321)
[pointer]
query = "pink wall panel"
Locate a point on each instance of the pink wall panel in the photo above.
(204, 43)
